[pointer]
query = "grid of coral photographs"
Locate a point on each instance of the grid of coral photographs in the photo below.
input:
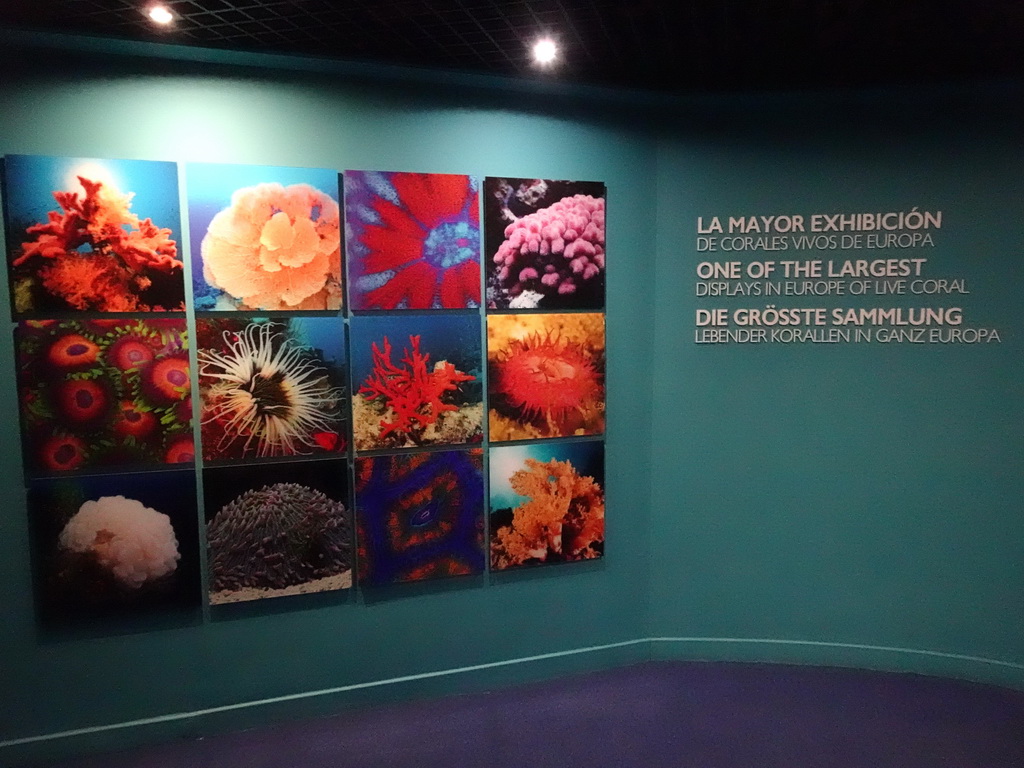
(101, 349)
(344, 430)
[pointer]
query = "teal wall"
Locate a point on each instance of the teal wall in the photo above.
(850, 503)
(806, 503)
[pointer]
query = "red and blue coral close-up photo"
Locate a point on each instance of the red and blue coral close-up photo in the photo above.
(413, 240)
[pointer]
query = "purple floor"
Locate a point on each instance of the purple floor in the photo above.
(652, 715)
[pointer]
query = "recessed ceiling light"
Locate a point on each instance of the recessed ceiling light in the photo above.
(545, 51)
(160, 14)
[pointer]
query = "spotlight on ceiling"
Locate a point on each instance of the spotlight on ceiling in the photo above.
(545, 51)
(160, 14)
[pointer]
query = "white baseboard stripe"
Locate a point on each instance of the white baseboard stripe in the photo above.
(493, 665)
(847, 646)
(312, 694)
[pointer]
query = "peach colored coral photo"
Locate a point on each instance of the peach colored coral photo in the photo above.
(264, 237)
(276, 247)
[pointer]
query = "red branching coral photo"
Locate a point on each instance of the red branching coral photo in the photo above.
(413, 394)
(93, 253)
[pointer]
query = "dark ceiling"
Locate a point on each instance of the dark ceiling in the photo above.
(685, 45)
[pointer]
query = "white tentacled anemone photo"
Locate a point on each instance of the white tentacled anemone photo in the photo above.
(271, 388)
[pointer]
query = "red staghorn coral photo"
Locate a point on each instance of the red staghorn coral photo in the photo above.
(411, 393)
(416, 381)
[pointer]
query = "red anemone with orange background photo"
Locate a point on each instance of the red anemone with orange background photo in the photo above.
(545, 375)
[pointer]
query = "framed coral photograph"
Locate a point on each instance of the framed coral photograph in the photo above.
(420, 516)
(106, 546)
(547, 503)
(413, 240)
(544, 244)
(271, 388)
(276, 530)
(417, 380)
(545, 375)
(101, 393)
(91, 235)
(264, 238)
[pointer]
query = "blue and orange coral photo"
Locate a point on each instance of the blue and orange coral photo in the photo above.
(413, 240)
(547, 503)
(92, 235)
(420, 516)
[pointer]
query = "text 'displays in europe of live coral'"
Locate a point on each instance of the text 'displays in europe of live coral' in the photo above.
(831, 278)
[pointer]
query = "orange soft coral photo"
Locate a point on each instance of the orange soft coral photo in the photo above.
(93, 252)
(557, 509)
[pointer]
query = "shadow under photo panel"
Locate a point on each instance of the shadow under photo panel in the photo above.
(96, 394)
(112, 546)
(92, 235)
(417, 380)
(420, 516)
(544, 244)
(547, 503)
(272, 387)
(264, 237)
(413, 240)
(545, 375)
(275, 530)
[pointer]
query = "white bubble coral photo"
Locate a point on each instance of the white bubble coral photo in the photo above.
(276, 247)
(135, 543)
